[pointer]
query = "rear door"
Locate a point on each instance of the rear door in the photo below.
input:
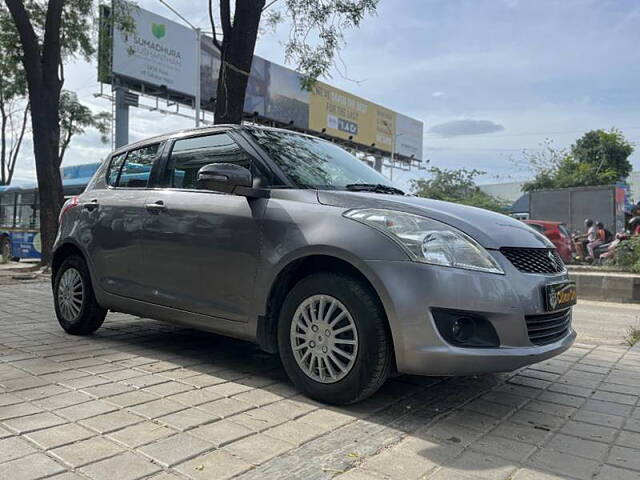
(201, 248)
(114, 217)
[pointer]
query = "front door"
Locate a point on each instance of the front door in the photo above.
(200, 247)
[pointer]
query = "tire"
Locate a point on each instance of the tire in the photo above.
(76, 307)
(363, 323)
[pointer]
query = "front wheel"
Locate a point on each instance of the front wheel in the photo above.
(76, 307)
(333, 340)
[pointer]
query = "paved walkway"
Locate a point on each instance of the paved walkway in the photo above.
(142, 399)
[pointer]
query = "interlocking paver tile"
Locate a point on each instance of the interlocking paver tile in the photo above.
(398, 465)
(589, 431)
(14, 447)
(614, 473)
(33, 466)
(597, 418)
(523, 433)
(294, 432)
(503, 447)
(157, 408)
(111, 421)
(222, 432)
(219, 465)
(127, 466)
(130, 399)
(86, 451)
(85, 410)
(60, 435)
(18, 410)
(577, 446)
(564, 464)
(194, 397)
(625, 457)
(483, 466)
(33, 422)
(176, 449)
(186, 419)
(224, 407)
(141, 433)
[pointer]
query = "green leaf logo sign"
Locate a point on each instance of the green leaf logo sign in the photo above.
(158, 30)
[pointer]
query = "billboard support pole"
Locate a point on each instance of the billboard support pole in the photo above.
(198, 35)
(122, 117)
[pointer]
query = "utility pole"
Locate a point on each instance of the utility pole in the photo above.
(198, 93)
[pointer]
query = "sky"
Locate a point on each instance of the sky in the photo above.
(489, 78)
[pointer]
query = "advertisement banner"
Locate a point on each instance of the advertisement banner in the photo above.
(408, 136)
(159, 52)
(343, 115)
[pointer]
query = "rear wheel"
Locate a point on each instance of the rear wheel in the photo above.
(332, 338)
(76, 307)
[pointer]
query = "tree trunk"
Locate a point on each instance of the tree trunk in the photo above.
(46, 138)
(238, 44)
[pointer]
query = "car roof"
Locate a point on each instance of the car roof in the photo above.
(199, 130)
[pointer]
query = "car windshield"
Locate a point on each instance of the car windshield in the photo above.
(314, 163)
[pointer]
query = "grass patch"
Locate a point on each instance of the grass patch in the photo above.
(633, 336)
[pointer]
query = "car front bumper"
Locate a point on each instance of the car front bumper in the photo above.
(409, 291)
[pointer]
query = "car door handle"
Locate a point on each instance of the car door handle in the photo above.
(91, 205)
(156, 207)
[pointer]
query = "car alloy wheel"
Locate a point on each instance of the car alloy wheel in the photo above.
(324, 338)
(70, 294)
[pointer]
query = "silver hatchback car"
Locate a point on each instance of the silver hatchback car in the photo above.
(289, 241)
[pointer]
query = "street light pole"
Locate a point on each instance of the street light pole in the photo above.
(393, 154)
(198, 37)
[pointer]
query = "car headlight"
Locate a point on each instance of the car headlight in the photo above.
(427, 240)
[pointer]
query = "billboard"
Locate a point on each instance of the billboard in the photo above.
(162, 52)
(159, 52)
(343, 115)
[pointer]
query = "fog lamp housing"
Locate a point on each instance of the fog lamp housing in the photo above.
(464, 329)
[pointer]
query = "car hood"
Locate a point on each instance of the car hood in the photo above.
(489, 229)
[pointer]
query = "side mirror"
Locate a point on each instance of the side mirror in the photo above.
(224, 177)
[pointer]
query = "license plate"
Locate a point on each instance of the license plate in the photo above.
(560, 295)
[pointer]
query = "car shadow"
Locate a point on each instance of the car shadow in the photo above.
(429, 419)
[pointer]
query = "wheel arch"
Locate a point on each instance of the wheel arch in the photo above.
(61, 253)
(293, 272)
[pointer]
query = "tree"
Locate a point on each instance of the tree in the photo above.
(597, 158)
(14, 109)
(324, 20)
(456, 186)
(47, 34)
(75, 118)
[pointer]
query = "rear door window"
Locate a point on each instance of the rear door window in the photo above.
(134, 169)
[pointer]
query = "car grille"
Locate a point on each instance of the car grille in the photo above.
(548, 328)
(534, 260)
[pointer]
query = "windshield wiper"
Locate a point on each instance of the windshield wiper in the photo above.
(374, 187)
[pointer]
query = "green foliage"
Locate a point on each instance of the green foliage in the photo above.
(456, 186)
(75, 118)
(632, 335)
(597, 158)
(316, 34)
(626, 256)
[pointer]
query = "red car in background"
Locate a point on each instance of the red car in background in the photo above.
(558, 234)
